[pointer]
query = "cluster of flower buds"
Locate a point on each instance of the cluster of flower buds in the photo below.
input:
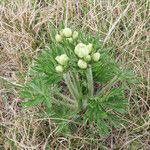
(66, 33)
(85, 54)
(62, 60)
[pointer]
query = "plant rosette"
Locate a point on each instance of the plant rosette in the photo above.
(77, 78)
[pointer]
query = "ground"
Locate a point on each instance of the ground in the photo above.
(24, 32)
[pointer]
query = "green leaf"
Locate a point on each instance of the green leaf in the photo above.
(35, 92)
(104, 129)
(105, 69)
(32, 102)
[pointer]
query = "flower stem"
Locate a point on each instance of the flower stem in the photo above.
(73, 89)
(89, 77)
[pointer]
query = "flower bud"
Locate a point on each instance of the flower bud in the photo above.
(90, 47)
(87, 58)
(62, 59)
(59, 68)
(96, 56)
(81, 50)
(58, 38)
(75, 35)
(82, 64)
(70, 40)
(67, 32)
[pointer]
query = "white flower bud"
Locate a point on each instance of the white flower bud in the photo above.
(59, 68)
(75, 35)
(87, 58)
(62, 59)
(58, 38)
(67, 32)
(96, 56)
(82, 64)
(90, 47)
(70, 40)
(81, 50)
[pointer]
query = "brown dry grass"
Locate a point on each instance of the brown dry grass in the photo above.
(24, 28)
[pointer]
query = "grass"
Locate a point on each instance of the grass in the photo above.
(24, 31)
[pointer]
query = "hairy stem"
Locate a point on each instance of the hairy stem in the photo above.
(72, 88)
(76, 83)
(66, 98)
(55, 101)
(89, 78)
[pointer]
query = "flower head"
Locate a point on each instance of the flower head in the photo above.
(81, 50)
(62, 59)
(96, 56)
(90, 47)
(58, 38)
(75, 35)
(82, 64)
(67, 32)
(59, 68)
(87, 58)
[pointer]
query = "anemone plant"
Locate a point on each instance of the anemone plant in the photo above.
(77, 79)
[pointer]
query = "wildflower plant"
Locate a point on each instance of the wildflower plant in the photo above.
(77, 79)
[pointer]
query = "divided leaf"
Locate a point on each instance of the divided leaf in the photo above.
(36, 92)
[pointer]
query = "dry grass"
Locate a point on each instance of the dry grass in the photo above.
(24, 31)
